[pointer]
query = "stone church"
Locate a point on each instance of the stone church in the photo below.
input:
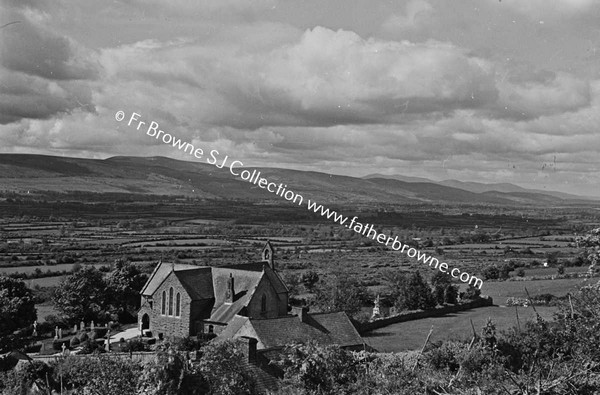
(182, 300)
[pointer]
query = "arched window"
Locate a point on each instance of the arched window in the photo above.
(178, 305)
(164, 303)
(171, 301)
(263, 304)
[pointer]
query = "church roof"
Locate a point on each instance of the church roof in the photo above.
(324, 328)
(197, 282)
(161, 271)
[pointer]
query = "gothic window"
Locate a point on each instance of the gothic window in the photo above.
(178, 305)
(263, 304)
(164, 303)
(171, 301)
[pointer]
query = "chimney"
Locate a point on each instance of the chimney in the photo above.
(251, 343)
(301, 312)
(230, 292)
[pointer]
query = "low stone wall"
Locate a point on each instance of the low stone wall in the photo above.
(135, 356)
(417, 315)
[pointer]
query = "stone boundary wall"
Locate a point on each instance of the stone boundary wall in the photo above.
(417, 315)
(137, 356)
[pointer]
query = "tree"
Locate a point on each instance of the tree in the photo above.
(124, 284)
(451, 294)
(491, 273)
(318, 369)
(552, 258)
(416, 294)
(310, 279)
(472, 293)
(343, 293)
(221, 366)
(17, 312)
(97, 375)
(440, 281)
(82, 296)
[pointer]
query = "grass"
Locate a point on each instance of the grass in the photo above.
(411, 335)
(44, 310)
(500, 290)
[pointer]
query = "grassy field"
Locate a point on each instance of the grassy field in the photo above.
(411, 335)
(54, 268)
(500, 290)
(44, 310)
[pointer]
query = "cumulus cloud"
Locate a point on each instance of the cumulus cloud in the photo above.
(321, 77)
(558, 93)
(343, 78)
(42, 73)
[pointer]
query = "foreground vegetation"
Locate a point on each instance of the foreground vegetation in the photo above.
(542, 357)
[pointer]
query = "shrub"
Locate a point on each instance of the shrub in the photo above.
(90, 346)
(520, 272)
(451, 294)
(491, 273)
(135, 345)
(74, 341)
(445, 355)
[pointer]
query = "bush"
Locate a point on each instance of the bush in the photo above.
(91, 346)
(445, 355)
(491, 273)
(74, 341)
(187, 343)
(136, 345)
(520, 272)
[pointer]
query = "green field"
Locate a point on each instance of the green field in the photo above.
(411, 335)
(500, 290)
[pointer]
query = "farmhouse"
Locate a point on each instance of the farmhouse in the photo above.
(181, 300)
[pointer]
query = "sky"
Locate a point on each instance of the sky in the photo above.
(475, 90)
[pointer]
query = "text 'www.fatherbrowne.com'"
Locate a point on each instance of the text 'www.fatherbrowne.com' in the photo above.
(253, 176)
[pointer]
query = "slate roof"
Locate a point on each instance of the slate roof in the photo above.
(323, 328)
(197, 282)
(245, 280)
(161, 271)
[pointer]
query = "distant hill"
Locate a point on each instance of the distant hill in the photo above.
(164, 176)
(478, 187)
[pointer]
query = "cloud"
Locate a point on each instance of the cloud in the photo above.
(553, 9)
(416, 13)
(559, 92)
(337, 76)
(42, 73)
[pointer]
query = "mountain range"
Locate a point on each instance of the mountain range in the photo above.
(26, 173)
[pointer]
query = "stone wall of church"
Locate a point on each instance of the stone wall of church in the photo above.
(169, 325)
(275, 307)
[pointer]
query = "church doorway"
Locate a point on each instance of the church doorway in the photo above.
(145, 322)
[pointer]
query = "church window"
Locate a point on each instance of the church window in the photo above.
(178, 305)
(164, 303)
(263, 304)
(171, 301)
